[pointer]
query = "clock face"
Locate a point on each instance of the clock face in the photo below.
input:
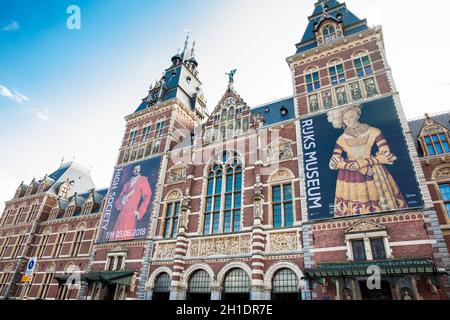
(154, 95)
(229, 101)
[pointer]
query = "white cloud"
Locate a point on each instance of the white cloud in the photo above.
(42, 115)
(12, 26)
(16, 96)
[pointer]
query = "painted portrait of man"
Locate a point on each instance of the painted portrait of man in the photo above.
(132, 204)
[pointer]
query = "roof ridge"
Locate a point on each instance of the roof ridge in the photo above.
(431, 115)
(271, 102)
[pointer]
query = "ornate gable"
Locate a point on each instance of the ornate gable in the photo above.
(230, 118)
(431, 126)
(365, 226)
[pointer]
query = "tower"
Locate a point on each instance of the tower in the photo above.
(164, 120)
(365, 189)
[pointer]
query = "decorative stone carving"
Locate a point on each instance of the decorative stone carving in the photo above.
(441, 173)
(258, 198)
(280, 176)
(280, 150)
(165, 250)
(371, 88)
(228, 246)
(365, 226)
(177, 174)
(283, 242)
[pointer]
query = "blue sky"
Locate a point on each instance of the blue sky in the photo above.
(66, 92)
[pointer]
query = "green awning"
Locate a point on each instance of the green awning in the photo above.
(111, 277)
(387, 267)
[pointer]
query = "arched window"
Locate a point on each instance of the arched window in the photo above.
(171, 219)
(236, 286)
(328, 30)
(223, 195)
(285, 285)
(312, 79)
(199, 287)
(161, 290)
(362, 64)
(329, 34)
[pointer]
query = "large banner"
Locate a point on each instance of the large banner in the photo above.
(356, 162)
(130, 201)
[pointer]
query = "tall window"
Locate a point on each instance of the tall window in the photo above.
(133, 137)
(33, 212)
(77, 243)
(378, 250)
(312, 81)
(236, 285)
(171, 222)
(161, 291)
(445, 193)
(18, 246)
(160, 126)
(59, 244)
(337, 73)
(5, 246)
(363, 66)
(285, 285)
(4, 281)
(359, 250)
(224, 196)
(42, 246)
(283, 210)
(20, 215)
(146, 133)
(437, 144)
(87, 209)
(48, 278)
(199, 287)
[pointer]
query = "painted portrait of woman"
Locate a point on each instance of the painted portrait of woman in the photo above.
(364, 184)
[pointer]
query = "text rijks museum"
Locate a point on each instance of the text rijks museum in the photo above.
(328, 194)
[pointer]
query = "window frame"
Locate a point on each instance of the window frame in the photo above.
(431, 146)
(314, 83)
(365, 69)
(282, 203)
(445, 202)
(367, 237)
(229, 165)
(333, 67)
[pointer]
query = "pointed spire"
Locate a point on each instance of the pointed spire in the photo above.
(193, 50)
(186, 43)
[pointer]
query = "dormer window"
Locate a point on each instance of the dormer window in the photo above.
(329, 34)
(64, 190)
(437, 144)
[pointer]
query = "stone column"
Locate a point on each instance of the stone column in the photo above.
(216, 293)
(415, 289)
(338, 290)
